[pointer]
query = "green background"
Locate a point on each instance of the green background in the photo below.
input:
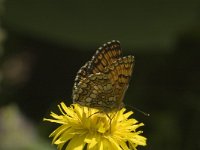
(46, 42)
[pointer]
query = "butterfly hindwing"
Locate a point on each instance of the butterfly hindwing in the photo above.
(81, 74)
(95, 91)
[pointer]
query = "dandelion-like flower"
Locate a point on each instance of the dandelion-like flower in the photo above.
(87, 128)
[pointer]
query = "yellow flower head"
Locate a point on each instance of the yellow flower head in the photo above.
(87, 128)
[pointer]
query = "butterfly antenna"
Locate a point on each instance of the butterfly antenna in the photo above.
(142, 112)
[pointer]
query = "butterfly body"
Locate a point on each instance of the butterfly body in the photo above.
(102, 82)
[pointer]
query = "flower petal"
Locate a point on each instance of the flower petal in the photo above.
(76, 143)
(113, 143)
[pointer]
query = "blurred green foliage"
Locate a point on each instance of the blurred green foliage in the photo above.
(48, 41)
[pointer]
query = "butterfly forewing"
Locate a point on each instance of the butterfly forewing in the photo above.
(105, 56)
(119, 73)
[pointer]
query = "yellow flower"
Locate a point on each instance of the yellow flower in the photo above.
(87, 128)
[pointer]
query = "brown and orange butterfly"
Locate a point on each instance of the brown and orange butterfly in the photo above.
(102, 82)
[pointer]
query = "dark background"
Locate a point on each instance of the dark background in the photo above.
(46, 42)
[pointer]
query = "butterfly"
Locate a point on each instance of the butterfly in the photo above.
(102, 82)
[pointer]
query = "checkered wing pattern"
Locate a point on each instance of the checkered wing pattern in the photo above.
(103, 87)
(82, 74)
